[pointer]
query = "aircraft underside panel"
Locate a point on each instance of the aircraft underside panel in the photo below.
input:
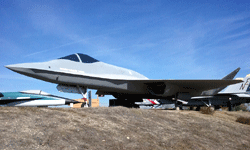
(84, 81)
(70, 88)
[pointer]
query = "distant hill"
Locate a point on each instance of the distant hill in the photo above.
(120, 128)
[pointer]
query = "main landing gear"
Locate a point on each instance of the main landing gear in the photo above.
(83, 91)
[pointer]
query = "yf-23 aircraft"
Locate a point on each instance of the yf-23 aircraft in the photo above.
(32, 98)
(77, 72)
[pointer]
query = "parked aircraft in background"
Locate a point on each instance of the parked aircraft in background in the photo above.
(32, 98)
(149, 102)
(233, 95)
(77, 72)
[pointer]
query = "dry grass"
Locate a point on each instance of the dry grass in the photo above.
(243, 120)
(207, 110)
(120, 128)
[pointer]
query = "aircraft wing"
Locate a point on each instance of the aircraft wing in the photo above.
(4, 101)
(19, 99)
(171, 87)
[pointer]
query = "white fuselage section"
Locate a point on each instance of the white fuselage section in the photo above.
(97, 69)
(38, 103)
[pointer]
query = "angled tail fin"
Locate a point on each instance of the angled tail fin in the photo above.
(230, 76)
(239, 87)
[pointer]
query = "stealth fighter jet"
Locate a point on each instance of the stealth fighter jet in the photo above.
(77, 72)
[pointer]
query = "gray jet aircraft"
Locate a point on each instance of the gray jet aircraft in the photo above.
(77, 72)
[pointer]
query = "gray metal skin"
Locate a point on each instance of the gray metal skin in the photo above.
(112, 80)
(233, 95)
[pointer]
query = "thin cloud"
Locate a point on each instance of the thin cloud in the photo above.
(55, 47)
(64, 45)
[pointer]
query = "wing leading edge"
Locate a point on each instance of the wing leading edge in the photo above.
(171, 87)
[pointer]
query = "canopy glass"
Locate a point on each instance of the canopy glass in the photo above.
(80, 58)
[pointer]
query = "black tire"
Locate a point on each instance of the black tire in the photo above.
(198, 108)
(216, 107)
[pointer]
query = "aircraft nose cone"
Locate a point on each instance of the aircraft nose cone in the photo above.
(15, 67)
(20, 68)
(12, 67)
(9, 66)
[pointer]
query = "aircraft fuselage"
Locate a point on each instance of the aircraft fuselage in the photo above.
(84, 71)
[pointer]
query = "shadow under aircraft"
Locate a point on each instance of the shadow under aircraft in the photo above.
(77, 72)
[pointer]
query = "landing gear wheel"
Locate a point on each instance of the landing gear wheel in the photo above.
(230, 106)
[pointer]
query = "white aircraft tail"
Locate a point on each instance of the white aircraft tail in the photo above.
(239, 87)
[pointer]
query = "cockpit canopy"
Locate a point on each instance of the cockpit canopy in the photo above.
(80, 58)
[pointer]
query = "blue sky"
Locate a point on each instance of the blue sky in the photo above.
(159, 39)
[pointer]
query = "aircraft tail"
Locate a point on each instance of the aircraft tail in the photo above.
(239, 87)
(230, 76)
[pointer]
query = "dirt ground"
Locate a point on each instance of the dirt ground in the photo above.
(120, 128)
